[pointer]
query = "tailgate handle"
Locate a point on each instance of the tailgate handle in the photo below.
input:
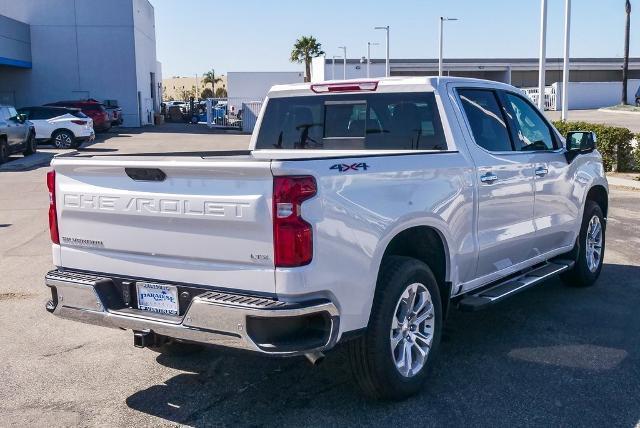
(145, 174)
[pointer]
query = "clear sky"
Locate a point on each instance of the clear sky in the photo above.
(257, 35)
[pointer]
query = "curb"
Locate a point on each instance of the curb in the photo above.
(632, 113)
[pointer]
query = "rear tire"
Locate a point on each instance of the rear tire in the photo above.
(4, 151)
(382, 366)
(590, 248)
(31, 146)
(63, 139)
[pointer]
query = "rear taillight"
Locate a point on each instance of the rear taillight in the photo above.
(79, 122)
(53, 214)
(292, 236)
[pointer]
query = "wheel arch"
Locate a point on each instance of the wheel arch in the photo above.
(63, 130)
(599, 195)
(429, 245)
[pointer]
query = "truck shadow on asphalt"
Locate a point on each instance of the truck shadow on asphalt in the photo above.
(554, 355)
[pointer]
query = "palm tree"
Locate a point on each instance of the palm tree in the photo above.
(306, 48)
(625, 68)
(210, 77)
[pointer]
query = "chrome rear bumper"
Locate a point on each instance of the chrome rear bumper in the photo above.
(212, 317)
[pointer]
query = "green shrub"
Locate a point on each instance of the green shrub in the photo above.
(612, 141)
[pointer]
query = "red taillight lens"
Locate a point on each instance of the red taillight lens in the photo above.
(53, 214)
(292, 236)
(79, 122)
(344, 87)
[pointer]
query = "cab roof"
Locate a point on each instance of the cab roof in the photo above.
(382, 84)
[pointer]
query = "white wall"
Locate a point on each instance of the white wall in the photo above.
(254, 86)
(321, 72)
(593, 95)
(84, 49)
(145, 58)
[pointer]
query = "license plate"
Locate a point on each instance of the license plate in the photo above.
(158, 298)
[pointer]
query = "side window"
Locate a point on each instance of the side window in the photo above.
(12, 112)
(487, 123)
(530, 131)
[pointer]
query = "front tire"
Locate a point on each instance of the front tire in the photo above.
(4, 151)
(31, 146)
(392, 359)
(590, 248)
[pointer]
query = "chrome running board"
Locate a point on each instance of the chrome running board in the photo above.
(496, 292)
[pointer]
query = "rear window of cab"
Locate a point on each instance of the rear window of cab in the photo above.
(364, 121)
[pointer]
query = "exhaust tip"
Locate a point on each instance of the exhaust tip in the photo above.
(315, 358)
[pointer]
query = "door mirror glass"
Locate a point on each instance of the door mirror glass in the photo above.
(581, 141)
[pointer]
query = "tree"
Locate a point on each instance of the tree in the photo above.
(210, 77)
(186, 94)
(304, 49)
(206, 93)
(221, 93)
(625, 68)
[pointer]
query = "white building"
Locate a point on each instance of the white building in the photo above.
(595, 82)
(69, 50)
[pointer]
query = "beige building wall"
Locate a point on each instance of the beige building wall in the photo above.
(173, 88)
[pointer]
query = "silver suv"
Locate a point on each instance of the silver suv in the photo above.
(17, 134)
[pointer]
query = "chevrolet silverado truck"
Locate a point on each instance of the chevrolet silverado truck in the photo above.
(362, 212)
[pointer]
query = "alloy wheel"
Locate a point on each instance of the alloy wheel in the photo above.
(412, 329)
(63, 141)
(594, 244)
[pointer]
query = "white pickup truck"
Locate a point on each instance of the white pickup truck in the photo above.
(362, 211)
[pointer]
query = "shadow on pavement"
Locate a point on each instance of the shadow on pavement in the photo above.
(554, 355)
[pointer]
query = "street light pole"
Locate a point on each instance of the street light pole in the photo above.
(440, 54)
(543, 54)
(369, 44)
(387, 67)
(344, 64)
(565, 67)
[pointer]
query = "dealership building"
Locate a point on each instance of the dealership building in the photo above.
(71, 50)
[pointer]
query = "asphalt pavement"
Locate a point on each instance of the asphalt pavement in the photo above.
(551, 356)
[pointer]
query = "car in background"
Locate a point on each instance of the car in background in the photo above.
(16, 134)
(638, 97)
(92, 108)
(115, 112)
(63, 127)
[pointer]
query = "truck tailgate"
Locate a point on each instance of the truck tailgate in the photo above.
(208, 222)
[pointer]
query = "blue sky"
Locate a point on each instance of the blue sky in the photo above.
(252, 35)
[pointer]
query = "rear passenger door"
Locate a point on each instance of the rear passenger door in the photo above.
(505, 183)
(556, 207)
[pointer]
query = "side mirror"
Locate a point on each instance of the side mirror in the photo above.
(20, 118)
(580, 142)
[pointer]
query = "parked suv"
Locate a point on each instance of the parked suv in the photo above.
(115, 112)
(363, 211)
(93, 109)
(61, 126)
(16, 134)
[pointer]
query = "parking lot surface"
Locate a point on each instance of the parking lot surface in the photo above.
(611, 118)
(550, 356)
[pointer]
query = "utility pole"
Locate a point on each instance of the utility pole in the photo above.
(565, 67)
(344, 64)
(440, 50)
(625, 67)
(387, 67)
(543, 55)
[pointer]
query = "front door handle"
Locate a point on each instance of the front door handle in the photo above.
(541, 171)
(489, 178)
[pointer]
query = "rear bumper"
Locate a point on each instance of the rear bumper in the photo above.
(218, 318)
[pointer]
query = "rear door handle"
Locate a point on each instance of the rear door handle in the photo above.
(541, 171)
(489, 178)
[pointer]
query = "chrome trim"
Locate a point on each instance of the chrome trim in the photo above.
(215, 318)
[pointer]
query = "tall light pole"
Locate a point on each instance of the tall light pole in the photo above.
(625, 67)
(387, 68)
(344, 64)
(369, 44)
(333, 66)
(543, 54)
(565, 67)
(442, 19)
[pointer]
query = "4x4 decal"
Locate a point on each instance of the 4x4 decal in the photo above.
(343, 167)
